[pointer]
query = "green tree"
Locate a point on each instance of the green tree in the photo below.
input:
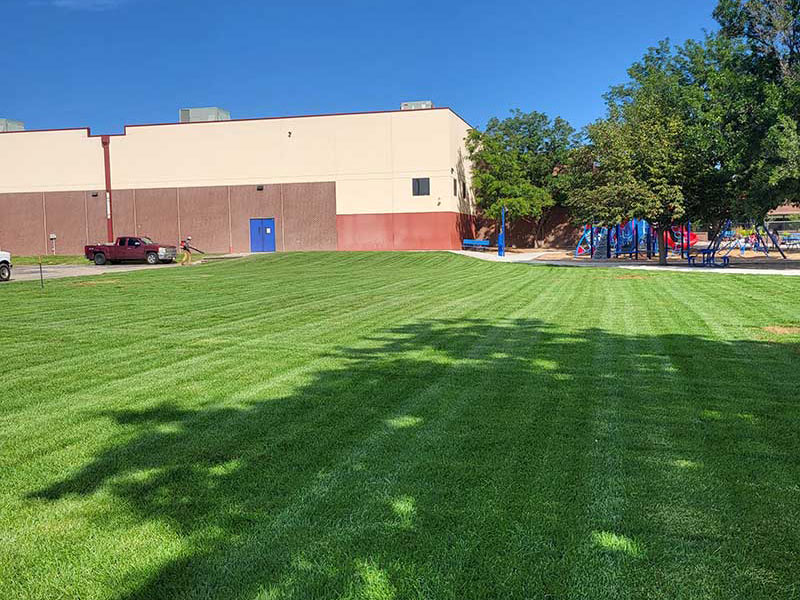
(721, 103)
(771, 28)
(634, 163)
(769, 137)
(709, 128)
(515, 164)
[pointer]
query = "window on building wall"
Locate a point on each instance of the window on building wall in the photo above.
(455, 187)
(421, 186)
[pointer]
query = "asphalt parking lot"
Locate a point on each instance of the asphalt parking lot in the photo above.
(31, 272)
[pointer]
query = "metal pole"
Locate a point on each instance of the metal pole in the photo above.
(774, 240)
(501, 239)
(106, 142)
(41, 274)
(591, 243)
(688, 239)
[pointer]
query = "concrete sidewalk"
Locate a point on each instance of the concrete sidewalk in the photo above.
(788, 268)
(31, 272)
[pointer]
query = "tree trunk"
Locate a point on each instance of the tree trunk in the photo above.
(540, 225)
(663, 249)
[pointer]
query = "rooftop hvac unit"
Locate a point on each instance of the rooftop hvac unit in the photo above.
(11, 125)
(416, 105)
(211, 113)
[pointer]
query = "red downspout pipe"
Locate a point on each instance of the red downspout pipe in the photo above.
(106, 141)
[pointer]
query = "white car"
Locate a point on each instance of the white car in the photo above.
(5, 266)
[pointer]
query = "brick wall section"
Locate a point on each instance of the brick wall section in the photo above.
(558, 231)
(204, 216)
(247, 202)
(22, 224)
(217, 218)
(309, 216)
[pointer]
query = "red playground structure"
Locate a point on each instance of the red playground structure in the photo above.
(677, 236)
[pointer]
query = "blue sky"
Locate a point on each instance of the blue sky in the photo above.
(107, 63)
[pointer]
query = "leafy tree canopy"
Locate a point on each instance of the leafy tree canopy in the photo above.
(515, 163)
(633, 164)
(705, 131)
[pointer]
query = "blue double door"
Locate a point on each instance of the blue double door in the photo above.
(262, 235)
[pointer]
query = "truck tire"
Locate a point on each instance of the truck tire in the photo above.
(152, 258)
(99, 259)
(5, 272)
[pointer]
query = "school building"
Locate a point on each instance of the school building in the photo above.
(393, 180)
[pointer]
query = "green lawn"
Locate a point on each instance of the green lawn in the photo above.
(400, 426)
(49, 260)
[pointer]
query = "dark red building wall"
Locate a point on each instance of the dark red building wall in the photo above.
(365, 232)
(403, 231)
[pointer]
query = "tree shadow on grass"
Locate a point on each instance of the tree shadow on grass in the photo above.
(478, 459)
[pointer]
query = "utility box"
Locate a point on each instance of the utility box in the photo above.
(210, 113)
(11, 125)
(416, 105)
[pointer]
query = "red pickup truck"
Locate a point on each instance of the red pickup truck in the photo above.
(131, 248)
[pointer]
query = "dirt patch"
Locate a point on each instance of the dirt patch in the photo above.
(781, 330)
(94, 282)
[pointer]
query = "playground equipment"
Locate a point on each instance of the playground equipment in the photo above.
(636, 236)
(708, 255)
(631, 238)
(758, 241)
(676, 240)
(628, 238)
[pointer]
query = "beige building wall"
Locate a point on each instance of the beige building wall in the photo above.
(372, 157)
(50, 161)
(464, 197)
